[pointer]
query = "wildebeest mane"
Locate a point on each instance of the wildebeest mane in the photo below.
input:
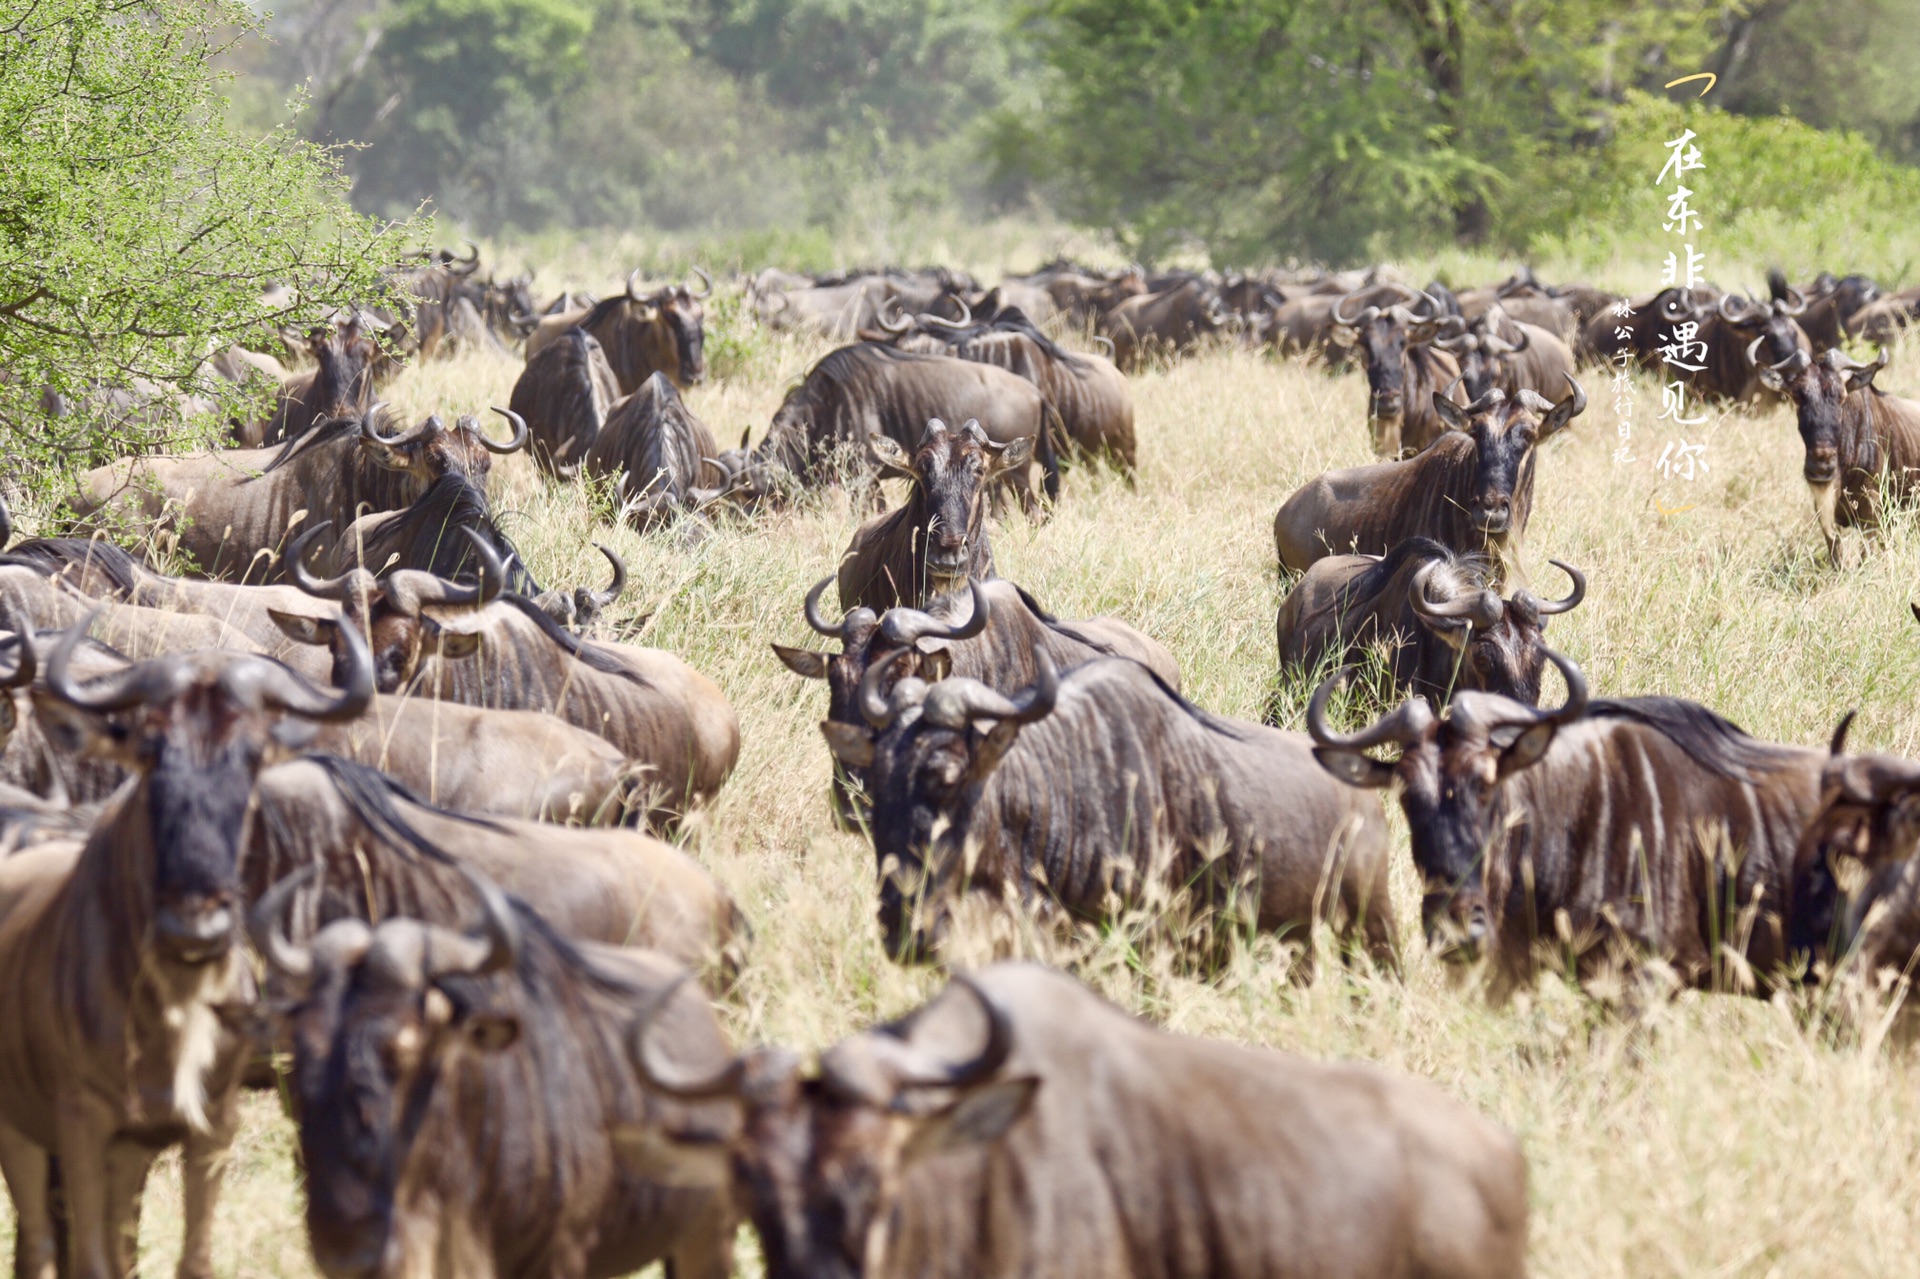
(1716, 744)
(426, 536)
(588, 655)
(1059, 627)
(49, 555)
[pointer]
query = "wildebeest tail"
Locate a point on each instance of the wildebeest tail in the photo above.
(1053, 434)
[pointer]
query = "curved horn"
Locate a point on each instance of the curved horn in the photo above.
(1483, 608)
(992, 1056)
(723, 1083)
(602, 599)
(25, 666)
(113, 692)
(514, 445)
(1339, 308)
(877, 710)
(964, 322)
(6, 526)
(328, 588)
(372, 434)
(819, 623)
(494, 947)
(909, 625)
(901, 324)
(1526, 338)
(1566, 410)
(263, 925)
(1576, 704)
(1793, 306)
(1795, 361)
(1402, 726)
(1549, 607)
(1838, 746)
(633, 278)
(706, 280)
(956, 703)
(1106, 341)
(281, 688)
(1753, 351)
(493, 573)
(1733, 307)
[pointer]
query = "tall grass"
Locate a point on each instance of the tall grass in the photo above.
(1711, 1136)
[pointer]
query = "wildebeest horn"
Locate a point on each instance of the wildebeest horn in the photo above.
(1795, 361)
(113, 692)
(369, 432)
(514, 445)
(878, 710)
(1566, 410)
(956, 703)
(1107, 342)
(1401, 726)
(900, 324)
(281, 688)
(1733, 307)
(263, 925)
(1753, 350)
(329, 588)
(1793, 305)
(724, 1082)
(856, 619)
(493, 575)
(24, 666)
(1493, 399)
(705, 280)
(1339, 308)
(494, 947)
(1483, 608)
(919, 1070)
(1526, 338)
(601, 599)
(1548, 608)
(1681, 303)
(633, 277)
(910, 625)
(1576, 703)
(471, 262)
(1838, 746)
(964, 322)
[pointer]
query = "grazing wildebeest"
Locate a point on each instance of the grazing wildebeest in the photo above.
(340, 385)
(1607, 830)
(1089, 393)
(1019, 1124)
(661, 332)
(232, 510)
(1831, 304)
(1405, 370)
(1104, 788)
(129, 986)
(872, 389)
(565, 394)
(1172, 320)
(1862, 445)
(458, 1094)
(933, 542)
(480, 647)
(1444, 626)
(990, 633)
(1471, 491)
(663, 454)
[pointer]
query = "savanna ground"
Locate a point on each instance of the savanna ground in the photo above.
(1711, 1135)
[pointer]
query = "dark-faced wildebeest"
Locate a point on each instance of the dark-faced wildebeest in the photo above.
(1443, 624)
(340, 385)
(992, 633)
(129, 986)
(1405, 370)
(1471, 490)
(936, 540)
(1133, 1151)
(1862, 445)
(660, 332)
(459, 1093)
(1498, 351)
(663, 454)
(1591, 834)
(1831, 304)
(565, 394)
(1099, 789)
(1741, 335)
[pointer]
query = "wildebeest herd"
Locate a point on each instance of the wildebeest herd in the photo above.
(354, 806)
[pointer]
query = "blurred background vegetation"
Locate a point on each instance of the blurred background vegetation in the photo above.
(1235, 131)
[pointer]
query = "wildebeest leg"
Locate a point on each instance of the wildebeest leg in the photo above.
(28, 1171)
(203, 1166)
(707, 1252)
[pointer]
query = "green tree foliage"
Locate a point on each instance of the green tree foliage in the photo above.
(138, 230)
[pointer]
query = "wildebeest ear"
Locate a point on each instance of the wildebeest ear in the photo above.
(304, 630)
(1771, 379)
(684, 1161)
(1355, 768)
(851, 744)
(936, 663)
(893, 460)
(1012, 457)
(1527, 749)
(981, 1115)
(74, 731)
(803, 662)
(988, 748)
(455, 645)
(1449, 412)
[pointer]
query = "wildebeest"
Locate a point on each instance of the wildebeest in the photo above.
(340, 385)
(481, 647)
(1862, 445)
(1525, 300)
(1443, 624)
(1732, 333)
(128, 980)
(1497, 351)
(1089, 393)
(1591, 833)
(663, 454)
(935, 540)
(232, 510)
(660, 332)
(1471, 490)
(1884, 319)
(1831, 304)
(1019, 1124)
(1171, 320)
(565, 393)
(1405, 370)
(1104, 788)
(458, 1095)
(1083, 295)
(872, 389)
(992, 633)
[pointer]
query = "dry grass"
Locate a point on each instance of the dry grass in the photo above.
(1716, 1136)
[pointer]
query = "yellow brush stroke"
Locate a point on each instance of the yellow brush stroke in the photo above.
(1675, 511)
(1708, 76)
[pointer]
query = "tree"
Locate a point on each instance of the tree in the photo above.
(138, 230)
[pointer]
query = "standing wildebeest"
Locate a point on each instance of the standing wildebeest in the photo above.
(1648, 324)
(339, 386)
(1862, 445)
(1089, 393)
(662, 332)
(1831, 304)
(232, 510)
(459, 1094)
(991, 633)
(1471, 491)
(479, 647)
(1497, 350)
(933, 542)
(1525, 300)
(872, 389)
(1019, 1124)
(127, 983)
(1172, 320)
(662, 453)
(1104, 788)
(1444, 625)
(1612, 829)
(1083, 295)
(1406, 371)
(1732, 332)
(565, 394)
